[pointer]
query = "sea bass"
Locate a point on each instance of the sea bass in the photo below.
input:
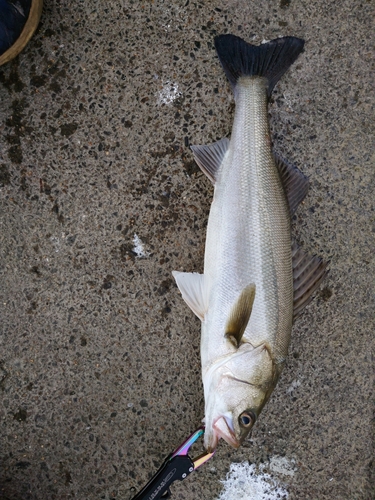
(255, 282)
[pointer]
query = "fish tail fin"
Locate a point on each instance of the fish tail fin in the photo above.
(269, 60)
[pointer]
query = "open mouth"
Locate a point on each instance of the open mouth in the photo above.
(224, 431)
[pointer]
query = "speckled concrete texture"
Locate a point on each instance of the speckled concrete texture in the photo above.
(99, 355)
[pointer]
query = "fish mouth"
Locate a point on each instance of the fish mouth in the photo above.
(224, 431)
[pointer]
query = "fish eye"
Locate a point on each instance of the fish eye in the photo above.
(247, 419)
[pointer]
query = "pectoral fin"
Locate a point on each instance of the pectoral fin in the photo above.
(240, 315)
(193, 291)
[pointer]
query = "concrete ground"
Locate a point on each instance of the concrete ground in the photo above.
(99, 355)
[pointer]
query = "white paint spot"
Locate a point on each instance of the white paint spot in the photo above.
(139, 248)
(288, 100)
(245, 481)
(169, 93)
(56, 243)
(281, 465)
(293, 386)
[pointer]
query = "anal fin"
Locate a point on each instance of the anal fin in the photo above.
(308, 273)
(295, 183)
(210, 157)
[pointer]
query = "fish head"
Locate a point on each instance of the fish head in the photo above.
(235, 392)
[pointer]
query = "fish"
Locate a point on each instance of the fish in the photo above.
(255, 279)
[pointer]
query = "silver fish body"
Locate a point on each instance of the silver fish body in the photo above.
(246, 296)
(248, 241)
(248, 234)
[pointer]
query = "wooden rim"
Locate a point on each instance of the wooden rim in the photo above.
(27, 32)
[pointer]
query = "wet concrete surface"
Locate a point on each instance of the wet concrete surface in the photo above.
(99, 356)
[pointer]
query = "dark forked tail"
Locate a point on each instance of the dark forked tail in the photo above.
(269, 60)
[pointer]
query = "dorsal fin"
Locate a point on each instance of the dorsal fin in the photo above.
(193, 291)
(308, 273)
(295, 183)
(210, 157)
(240, 315)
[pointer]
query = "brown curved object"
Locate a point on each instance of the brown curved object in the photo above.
(27, 32)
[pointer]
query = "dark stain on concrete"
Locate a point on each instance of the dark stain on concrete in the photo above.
(68, 129)
(38, 80)
(4, 175)
(12, 82)
(20, 415)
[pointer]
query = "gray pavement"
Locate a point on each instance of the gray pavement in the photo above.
(99, 355)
